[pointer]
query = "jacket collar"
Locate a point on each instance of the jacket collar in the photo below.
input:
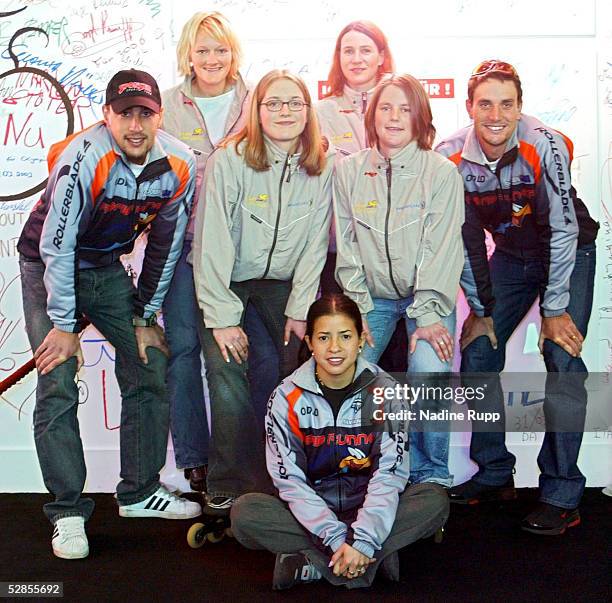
(188, 97)
(304, 376)
(472, 150)
(401, 160)
(356, 98)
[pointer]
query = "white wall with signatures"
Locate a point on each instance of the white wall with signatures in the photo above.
(53, 83)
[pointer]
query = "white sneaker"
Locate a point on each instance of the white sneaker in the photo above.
(162, 504)
(69, 540)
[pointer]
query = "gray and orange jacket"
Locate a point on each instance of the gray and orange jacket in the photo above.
(398, 230)
(529, 206)
(94, 208)
(183, 119)
(341, 119)
(270, 224)
(340, 475)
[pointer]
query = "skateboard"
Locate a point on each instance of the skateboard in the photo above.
(213, 528)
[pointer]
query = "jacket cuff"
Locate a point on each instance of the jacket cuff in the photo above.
(427, 319)
(337, 542)
(76, 327)
(365, 303)
(364, 548)
(552, 313)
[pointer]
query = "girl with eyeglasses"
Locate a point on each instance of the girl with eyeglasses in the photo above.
(261, 239)
(398, 211)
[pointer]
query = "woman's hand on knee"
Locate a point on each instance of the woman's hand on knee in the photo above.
(298, 327)
(366, 331)
(438, 337)
(234, 341)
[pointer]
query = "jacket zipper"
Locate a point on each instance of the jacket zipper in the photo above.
(364, 102)
(338, 488)
(388, 171)
(278, 211)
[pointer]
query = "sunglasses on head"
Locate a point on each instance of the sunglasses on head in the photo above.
(489, 66)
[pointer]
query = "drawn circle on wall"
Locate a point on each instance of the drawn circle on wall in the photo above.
(7, 173)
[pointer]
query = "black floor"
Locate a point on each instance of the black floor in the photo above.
(484, 557)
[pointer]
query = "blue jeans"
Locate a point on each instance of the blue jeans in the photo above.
(236, 460)
(517, 282)
(188, 420)
(105, 296)
(428, 449)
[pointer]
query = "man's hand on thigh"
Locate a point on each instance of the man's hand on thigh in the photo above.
(56, 348)
(563, 331)
(152, 337)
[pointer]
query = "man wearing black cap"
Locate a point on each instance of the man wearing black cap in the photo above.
(106, 185)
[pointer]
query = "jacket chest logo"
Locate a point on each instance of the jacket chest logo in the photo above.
(366, 207)
(355, 461)
(260, 200)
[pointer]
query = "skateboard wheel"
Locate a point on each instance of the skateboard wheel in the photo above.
(214, 537)
(196, 536)
(439, 536)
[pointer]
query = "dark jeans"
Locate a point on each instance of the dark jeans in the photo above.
(516, 285)
(260, 521)
(188, 420)
(236, 456)
(105, 296)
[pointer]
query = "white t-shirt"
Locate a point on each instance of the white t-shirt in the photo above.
(137, 168)
(215, 110)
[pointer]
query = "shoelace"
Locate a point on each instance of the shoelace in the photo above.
(171, 496)
(71, 530)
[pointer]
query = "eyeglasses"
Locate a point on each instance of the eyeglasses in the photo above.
(491, 65)
(295, 104)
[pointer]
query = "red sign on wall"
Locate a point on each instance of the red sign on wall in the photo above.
(444, 88)
(435, 88)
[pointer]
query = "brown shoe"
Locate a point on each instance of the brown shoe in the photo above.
(197, 477)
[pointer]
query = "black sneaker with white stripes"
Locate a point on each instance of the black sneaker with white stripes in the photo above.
(162, 504)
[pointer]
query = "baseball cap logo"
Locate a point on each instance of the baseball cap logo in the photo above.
(134, 87)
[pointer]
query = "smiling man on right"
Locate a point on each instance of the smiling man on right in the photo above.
(516, 176)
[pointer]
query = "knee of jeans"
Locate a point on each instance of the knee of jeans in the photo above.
(47, 413)
(557, 360)
(155, 368)
(480, 356)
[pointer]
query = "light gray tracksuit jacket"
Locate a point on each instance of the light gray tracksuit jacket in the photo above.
(340, 475)
(341, 120)
(271, 224)
(398, 230)
(183, 120)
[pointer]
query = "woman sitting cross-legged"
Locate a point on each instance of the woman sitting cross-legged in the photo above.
(339, 465)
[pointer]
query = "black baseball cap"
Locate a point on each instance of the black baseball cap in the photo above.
(133, 88)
